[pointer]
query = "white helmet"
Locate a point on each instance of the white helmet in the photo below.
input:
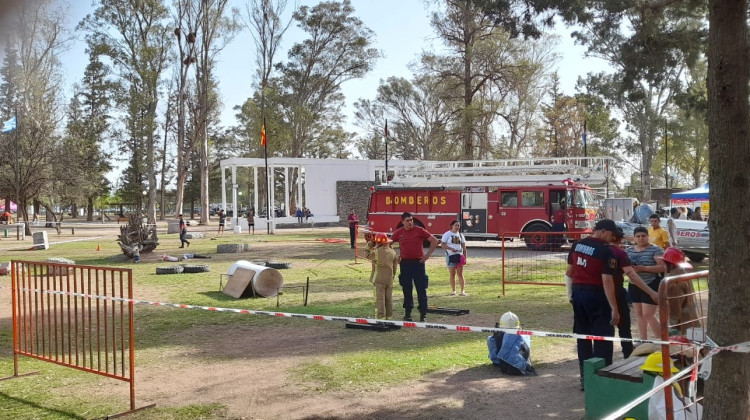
(510, 320)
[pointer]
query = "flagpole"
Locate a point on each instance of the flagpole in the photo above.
(386, 151)
(268, 179)
(17, 172)
(666, 157)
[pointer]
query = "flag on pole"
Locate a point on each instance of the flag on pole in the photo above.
(263, 135)
(583, 136)
(9, 125)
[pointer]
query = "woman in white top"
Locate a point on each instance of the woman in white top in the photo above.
(454, 244)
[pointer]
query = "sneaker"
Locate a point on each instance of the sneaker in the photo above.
(464, 294)
(453, 293)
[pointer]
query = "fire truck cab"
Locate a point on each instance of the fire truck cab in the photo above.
(493, 199)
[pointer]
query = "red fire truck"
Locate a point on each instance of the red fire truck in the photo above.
(492, 198)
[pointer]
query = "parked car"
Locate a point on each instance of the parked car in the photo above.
(692, 236)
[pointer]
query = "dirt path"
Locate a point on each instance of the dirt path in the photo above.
(252, 381)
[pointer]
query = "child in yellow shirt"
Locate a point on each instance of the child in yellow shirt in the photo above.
(657, 235)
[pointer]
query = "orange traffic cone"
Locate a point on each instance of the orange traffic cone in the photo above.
(98, 247)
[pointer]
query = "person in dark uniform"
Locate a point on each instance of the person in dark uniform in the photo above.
(412, 259)
(594, 297)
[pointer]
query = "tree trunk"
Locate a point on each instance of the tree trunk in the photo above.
(135, 234)
(180, 193)
(728, 390)
(23, 214)
(90, 209)
(204, 182)
(163, 171)
(37, 206)
(151, 161)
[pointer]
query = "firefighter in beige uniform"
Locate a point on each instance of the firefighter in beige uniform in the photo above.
(384, 264)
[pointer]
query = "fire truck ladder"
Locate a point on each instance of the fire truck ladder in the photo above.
(476, 173)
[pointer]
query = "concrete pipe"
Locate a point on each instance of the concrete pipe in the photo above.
(246, 279)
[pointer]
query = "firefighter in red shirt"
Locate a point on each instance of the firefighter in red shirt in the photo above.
(412, 259)
(590, 265)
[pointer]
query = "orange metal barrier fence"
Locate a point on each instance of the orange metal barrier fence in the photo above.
(76, 316)
(683, 303)
(535, 258)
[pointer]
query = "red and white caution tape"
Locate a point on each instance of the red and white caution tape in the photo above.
(742, 347)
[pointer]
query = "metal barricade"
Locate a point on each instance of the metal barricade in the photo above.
(683, 303)
(75, 316)
(538, 258)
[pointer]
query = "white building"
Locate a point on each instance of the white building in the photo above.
(316, 187)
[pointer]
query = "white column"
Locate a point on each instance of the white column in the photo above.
(272, 199)
(299, 186)
(223, 189)
(255, 185)
(234, 196)
(271, 189)
(286, 190)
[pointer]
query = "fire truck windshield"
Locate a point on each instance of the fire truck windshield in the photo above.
(584, 199)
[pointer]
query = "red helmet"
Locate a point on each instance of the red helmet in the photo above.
(381, 238)
(676, 256)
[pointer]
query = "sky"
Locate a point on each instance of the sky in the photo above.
(402, 29)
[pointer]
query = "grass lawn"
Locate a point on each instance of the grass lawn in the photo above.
(337, 287)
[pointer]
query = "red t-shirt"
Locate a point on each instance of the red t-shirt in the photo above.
(410, 242)
(590, 258)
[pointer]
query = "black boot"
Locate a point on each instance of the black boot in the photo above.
(422, 317)
(188, 242)
(407, 315)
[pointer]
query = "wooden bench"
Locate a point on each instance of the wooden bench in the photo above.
(611, 387)
(626, 370)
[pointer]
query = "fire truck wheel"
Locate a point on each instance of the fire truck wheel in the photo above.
(695, 257)
(535, 237)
